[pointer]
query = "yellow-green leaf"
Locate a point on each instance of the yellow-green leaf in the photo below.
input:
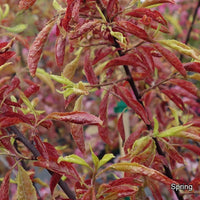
(15, 29)
(45, 77)
(195, 76)
(62, 79)
(57, 6)
(95, 159)
(70, 68)
(135, 168)
(78, 104)
(105, 159)
(181, 48)
(156, 126)
(73, 159)
(173, 131)
(25, 188)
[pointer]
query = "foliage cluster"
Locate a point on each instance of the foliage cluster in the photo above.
(103, 94)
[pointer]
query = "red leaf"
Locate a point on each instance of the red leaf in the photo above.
(84, 28)
(60, 50)
(6, 56)
(154, 187)
(173, 153)
(78, 136)
(172, 58)
(177, 100)
(89, 72)
(190, 87)
(101, 53)
(154, 2)
(36, 48)
(41, 147)
(192, 66)
(130, 101)
(70, 98)
(76, 117)
(155, 15)
(128, 59)
(120, 126)
(63, 168)
(134, 29)
(14, 84)
(131, 139)
(104, 130)
(9, 121)
(192, 147)
(75, 11)
(55, 178)
(25, 4)
(68, 15)
(112, 8)
(4, 189)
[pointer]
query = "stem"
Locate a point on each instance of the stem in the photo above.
(35, 152)
(191, 26)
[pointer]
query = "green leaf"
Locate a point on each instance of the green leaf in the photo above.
(105, 159)
(57, 6)
(156, 126)
(173, 131)
(45, 77)
(63, 80)
(27, 102)
(95, 159)
(181, 48)
(73, 159)
(15, 29)
(25, 188)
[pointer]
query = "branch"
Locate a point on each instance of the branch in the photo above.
(35, 152)
(191, 26)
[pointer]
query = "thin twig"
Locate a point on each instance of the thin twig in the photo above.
(191, 26)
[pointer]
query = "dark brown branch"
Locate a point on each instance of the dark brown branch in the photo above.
(191, 26)
(20, 137)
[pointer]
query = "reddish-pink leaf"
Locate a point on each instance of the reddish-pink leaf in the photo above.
(128, 59)
(104, 130)
(14, 84)
(76, 117)
(131, 101)
(63, 168)
(70, 98)
(155, 15)
(171, 58)
(78, 136)
(6, 56)
(84, 28)
(190, 87)
(173, 153)
(26, 4)
(68, 15)
(177, 100)
(154, 187)
(192, 66)
(9, 121)
(60, 50)
(36, 48)
(112, 8)
(131, 139)
(196, 183)
(41, 147)
(89, 72)
(4, 189)
(192, 147)
(55, 178)
(75, 10)
(134, 29)
(101, 53)
(120, 126)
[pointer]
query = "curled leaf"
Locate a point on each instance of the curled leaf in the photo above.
(75, 117)
(26, 4)
(36, 48)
